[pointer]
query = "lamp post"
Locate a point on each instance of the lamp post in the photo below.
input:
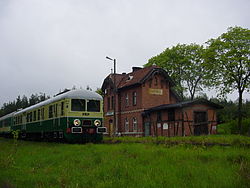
(114, 91)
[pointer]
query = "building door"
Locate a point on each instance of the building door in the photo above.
(147, 128)
(200, 123)
(111, 127)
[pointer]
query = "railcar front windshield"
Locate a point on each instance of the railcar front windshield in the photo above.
(93, 106)
(78, 105)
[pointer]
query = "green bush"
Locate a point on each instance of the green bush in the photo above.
(232, 127)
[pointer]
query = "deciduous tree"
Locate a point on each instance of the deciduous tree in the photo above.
(184, 64)
(228, 57)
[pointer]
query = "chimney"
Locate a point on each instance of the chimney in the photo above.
(136, 68)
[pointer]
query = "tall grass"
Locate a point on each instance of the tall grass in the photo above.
(123, 165)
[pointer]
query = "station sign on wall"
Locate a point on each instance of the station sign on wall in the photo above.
(155, 91)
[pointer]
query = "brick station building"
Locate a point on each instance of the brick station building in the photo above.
(146, 105)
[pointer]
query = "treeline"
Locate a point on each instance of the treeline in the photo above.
(230, 110)
(22, 102)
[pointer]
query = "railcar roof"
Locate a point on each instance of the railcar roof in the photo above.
(73, 94)
(7, 116)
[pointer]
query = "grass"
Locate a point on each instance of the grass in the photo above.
(231, 127)
(234, 140)
(37, 164)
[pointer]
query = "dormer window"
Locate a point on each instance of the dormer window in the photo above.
(130, 77)
(156, 81)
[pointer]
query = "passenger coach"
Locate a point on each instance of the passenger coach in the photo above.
(74, 116)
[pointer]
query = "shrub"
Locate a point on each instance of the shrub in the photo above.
(231, 127)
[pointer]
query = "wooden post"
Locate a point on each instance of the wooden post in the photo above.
(191, 132)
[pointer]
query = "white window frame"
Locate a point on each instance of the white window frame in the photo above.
(127, 100)
(134, 98)
(135, 124)
(126, 125)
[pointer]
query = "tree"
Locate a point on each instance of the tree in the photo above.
(228, 57)
(184, 64)
(100, 92)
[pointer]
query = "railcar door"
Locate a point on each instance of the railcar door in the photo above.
(111, 127)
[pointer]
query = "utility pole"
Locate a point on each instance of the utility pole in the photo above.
(114, 93)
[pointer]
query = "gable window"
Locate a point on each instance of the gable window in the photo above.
(135, 124)
(126, 99)
(126, 125)
(134, 98)
(156, 81)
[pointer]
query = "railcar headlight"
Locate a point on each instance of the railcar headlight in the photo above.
(77, 122)
(97, 122)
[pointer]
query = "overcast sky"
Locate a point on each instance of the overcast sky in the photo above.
(48, 45)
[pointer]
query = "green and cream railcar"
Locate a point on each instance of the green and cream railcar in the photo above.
(74, 116)
(5, 124)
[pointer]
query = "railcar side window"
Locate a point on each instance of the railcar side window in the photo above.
(93, 106)
(34, 116)
(62, 109)
(42, 113)
(30, 116)
(51, 111)
(39, 114)
(78, 105)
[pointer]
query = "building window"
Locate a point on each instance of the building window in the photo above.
(126, 125)
(156, 81)
(126, 99)
(135, 127)
(108, 103)
(171, 115)
(159, 116)
(134, 98)
(112, 102)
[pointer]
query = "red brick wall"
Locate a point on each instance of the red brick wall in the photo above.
(122, 99)
(149, 99)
